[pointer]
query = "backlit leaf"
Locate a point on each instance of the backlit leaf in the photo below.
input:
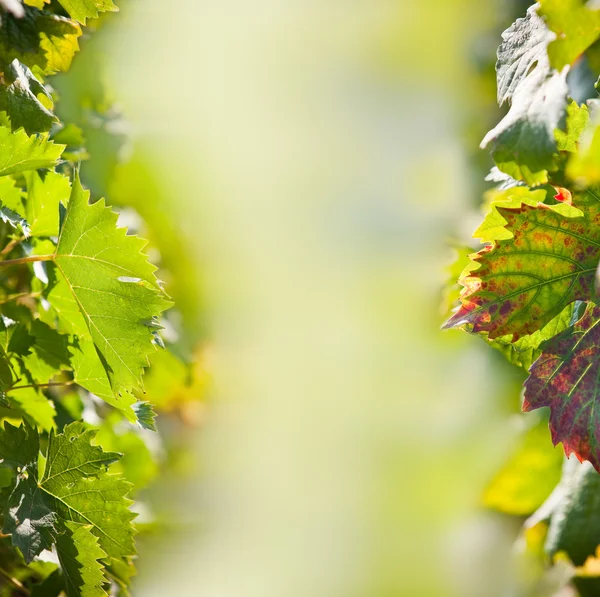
(576, 26)
(80, 559)
(566, 378)
(544, 258)
(113, 286)
(19, 152)
(81, 10)
(45, 42)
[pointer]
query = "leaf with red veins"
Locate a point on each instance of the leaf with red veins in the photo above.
(566, 377)
(540, 260)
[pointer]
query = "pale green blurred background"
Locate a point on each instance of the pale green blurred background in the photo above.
(304, 167)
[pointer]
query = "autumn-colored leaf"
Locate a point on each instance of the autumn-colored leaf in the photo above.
(566, 378)
(540, 259)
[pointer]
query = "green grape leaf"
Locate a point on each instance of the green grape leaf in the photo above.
(8, 216)
(145, 415)
(577, 120)
(28, 519)
(523, 49)
(98, 501)
(523, 143)
(44, 195)
(75, 485)
(81, 10)
(566, 379)
(542, 259)
(80, 559)
(43, 41)
(113, 286)
(19, 152)
(576, 25)
(19, 91)
(531, 472)
(575, 520)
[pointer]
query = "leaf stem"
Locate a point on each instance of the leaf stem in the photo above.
(30, 259)
(52, 384)
(17, 584)
(11, 245)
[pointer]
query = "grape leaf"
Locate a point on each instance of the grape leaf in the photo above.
(576, 27)
(44, 195)
(8, 216)
(19, 152)
(522, 50)
(575, 521)
(523, 143)
(145, 415)
(74, 486)
(112, 284)
(45, 42)
(79, 555)
(81, 10)
(542, 259)
(80, 491)
(566, 378)
(19, 99)
(28, 519)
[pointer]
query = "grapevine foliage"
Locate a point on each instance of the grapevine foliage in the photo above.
(80, 310)
(532, 290)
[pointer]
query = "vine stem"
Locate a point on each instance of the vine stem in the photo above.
(30, 259)
(17, 584)
(51, 384)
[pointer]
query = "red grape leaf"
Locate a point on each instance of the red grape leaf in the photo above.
(566, 377)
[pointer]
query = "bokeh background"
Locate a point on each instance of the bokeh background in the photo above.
(303, 169)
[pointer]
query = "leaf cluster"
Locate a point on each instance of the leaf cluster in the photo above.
(80, 319)
(532, 290)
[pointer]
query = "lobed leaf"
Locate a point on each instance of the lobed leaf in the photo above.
(43, 41)
(80, 558)
(522, 50)
(540, 261)
(114, 288)
(19, 152)
(81, 10)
